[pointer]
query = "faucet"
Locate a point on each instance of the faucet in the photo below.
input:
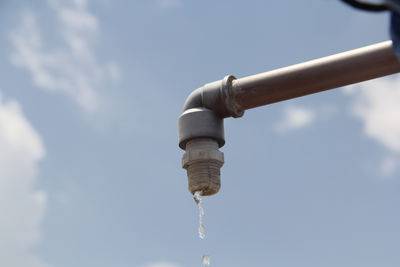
(201, 134)
(201, 127)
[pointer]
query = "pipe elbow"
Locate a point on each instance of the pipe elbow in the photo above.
(195, 99)
(204, 111)
(201, 134)
(216, 96)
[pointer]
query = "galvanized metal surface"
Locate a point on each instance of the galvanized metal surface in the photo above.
(316, 76)
(200, 123)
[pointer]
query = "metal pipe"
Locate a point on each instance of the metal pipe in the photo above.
(201, 128)
(315, 76)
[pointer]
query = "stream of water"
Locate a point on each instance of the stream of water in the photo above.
(202, 234)
(199, 201)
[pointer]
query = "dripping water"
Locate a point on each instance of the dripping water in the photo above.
(206, 260)
(199, 200)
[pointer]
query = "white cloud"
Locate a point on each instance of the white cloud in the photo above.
(295, 117)
(71, 68)
(162, 264)
(22, 206)
(377, 104)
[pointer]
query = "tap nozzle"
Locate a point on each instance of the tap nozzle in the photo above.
(203, 161)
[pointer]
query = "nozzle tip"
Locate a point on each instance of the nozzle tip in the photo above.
(203, 162)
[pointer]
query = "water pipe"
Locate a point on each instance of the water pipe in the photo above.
(201, 128)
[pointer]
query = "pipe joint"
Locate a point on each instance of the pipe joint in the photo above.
(200, 123)
(201, 133)
(216, 96)
(204, 111)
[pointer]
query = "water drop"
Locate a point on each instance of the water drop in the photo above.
(206, 260)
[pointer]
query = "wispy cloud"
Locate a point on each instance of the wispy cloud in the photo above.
(294, 118)
(377, 104)
(22, 206)
(161, 264)
(71, 68)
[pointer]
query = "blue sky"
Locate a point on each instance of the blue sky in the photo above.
(90, 172)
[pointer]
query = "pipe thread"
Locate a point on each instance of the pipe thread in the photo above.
(204, 176)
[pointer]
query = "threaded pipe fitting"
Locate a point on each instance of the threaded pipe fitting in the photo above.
(203, 161)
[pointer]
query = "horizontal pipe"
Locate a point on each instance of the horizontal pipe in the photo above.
(315, 76)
